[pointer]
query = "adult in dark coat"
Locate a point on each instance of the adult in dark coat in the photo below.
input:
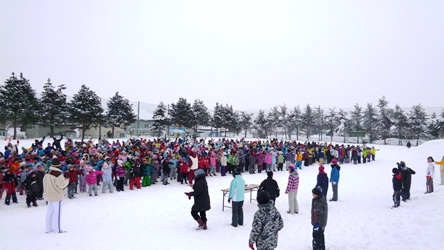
(56, 143)
(406, 173)
(322, 181)
(271, 186)
(201, 199)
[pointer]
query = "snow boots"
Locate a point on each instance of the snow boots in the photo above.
(202, 224)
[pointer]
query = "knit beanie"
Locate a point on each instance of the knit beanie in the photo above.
(263, 197)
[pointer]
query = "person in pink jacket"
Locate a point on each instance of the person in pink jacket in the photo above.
(292, 190)
(91, 180)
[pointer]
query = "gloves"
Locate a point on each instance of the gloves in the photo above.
(251, 246)
(428, 177)
(118, 178)
(188, 194)
(334, 183)
(316, 228)
(229, 200)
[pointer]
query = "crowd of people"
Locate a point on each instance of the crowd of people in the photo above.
(136, 163)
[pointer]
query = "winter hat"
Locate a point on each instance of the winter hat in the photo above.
(263, 197)
(236, 171)
(334, 161)
(395, 170)
(199, 172)
(291, 167)
(321, 169)
(120, 162)
(270, 173)
(40, 167)
(316, 191)
(31, 173)
(55, 162)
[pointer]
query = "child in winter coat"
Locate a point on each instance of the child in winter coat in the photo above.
(183, 170)
(82, 178)
(430, 175)
(91, 180)
(71, 174)
(292, 190)
(120, 175)
(31, 189)
(107, 176)
(39, 177)
(334, 178)
(267, 222)
(397, 186)
(9, 186)
(322, 180)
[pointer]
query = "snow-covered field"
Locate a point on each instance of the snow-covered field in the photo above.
(158, 217)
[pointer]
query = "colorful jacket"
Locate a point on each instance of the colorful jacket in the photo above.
(293, 182)
(267, 222)
(237, 188)
(91, 177)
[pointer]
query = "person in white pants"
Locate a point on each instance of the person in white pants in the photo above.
(53, 184)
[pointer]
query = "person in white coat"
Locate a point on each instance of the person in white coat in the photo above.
(53, 184)
(430, 174)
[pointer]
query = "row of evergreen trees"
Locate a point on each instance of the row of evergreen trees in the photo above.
(21, 108)
(378, 121)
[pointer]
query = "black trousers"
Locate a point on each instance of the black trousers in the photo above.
(237, 217)
(196, 216)
(319, 240)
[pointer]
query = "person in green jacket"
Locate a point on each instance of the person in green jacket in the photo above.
(237, 190)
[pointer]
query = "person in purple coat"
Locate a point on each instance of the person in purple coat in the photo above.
(120, 174)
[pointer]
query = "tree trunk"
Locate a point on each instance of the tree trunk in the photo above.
(83, 133)
(112, 131)
(51, 131)
(14, 135)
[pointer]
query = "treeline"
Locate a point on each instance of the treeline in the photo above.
(21, 108)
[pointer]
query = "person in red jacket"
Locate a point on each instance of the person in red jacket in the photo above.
(72, 173)
(183, 170)
(9, 186)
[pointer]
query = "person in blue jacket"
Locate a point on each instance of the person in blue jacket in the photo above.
(334, 178)
(237, 190)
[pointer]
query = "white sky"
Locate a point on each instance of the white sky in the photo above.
(250, 54)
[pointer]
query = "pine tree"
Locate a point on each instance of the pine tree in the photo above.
(417, 121)
(273, 118)
(160, 117)
(294, 121)
(370, 118)
(181, 113)
(356, 118)
(385, 118)
(245, 121)
(86, 110)
(433, 127)
(308, 120)
(400, 123)
(230, 119)
(332, 122)
(120, 113)
(201, 115)
(218, 116)
(54, 108)
(19, 103)
(261, 124)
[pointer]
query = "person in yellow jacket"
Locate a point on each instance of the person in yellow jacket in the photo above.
(441, 169)
(374, 153)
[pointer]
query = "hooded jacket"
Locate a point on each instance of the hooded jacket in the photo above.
(319, 211)
(53, 184)
(267, 222)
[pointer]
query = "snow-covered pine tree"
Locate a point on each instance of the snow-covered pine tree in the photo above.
(85, 110)
(356, 118)
(400, 123)
(161, 119)
(120, 113)
(331, 122)
(261, 124)
(370, 120)
(54, 108)
(201, 115)
(19, 103)
(245, 121)
(385, 119)
(181, 113)
(417, 121)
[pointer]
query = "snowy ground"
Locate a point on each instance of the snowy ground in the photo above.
(158, 217)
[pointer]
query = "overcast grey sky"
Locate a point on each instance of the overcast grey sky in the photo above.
(250, 54)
